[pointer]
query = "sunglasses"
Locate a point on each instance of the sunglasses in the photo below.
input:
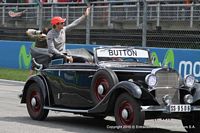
(60, 23)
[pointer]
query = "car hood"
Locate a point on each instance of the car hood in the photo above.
(128, 66)
(124, 64)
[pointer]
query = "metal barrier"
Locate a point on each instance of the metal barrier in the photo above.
(111, 16)
(103, 12)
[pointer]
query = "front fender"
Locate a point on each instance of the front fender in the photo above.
(34, 79)
(196, 95)
(130, 87)
(124, 86)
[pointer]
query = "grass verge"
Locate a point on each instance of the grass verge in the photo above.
(14, 74)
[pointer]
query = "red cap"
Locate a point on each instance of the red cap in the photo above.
(56, 20)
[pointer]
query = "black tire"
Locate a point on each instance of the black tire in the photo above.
(133, 117)
(191, 122)
(35, 96)
(105, 77)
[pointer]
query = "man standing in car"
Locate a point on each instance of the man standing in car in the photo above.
(57, 36)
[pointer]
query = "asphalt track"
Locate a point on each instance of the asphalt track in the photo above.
(14, 118)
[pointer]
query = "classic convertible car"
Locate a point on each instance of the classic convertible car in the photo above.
(113, 81)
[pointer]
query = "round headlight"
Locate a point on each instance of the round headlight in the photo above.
(188, 98)
(167, 99)
(151, 80)
(189, 81)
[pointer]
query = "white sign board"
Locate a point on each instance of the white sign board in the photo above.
(122, 52)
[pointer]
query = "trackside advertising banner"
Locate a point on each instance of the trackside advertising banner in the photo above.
(16, 54)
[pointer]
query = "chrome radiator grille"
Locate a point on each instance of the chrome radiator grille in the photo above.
(168, 82)
(167, 79)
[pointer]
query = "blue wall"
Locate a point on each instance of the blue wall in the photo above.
(15, 54)
(10, 53)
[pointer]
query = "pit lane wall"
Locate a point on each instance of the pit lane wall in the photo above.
(16, 54)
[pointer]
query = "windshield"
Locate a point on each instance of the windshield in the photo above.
(122, 55)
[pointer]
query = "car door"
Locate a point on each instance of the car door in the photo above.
(76, 81)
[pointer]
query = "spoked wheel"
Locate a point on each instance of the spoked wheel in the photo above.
(35, 103)
(191, 122)
(102, 82)
(128, 115)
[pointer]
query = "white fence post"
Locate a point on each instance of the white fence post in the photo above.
(38, 16)
(67, 20)
(191, 15)
(88, 19)
(144, 24)
(92, 16)
(138, 14)
(158, 15)
(109, 14)
(3, 15)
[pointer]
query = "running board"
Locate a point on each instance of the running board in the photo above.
(66, 110)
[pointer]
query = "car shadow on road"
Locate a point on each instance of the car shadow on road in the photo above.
(79, 124)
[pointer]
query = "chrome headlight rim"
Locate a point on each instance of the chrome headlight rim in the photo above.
(167, 100)
(189, 81)
(151, 80)
(188, 99)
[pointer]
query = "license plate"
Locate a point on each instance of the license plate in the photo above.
(180, 108)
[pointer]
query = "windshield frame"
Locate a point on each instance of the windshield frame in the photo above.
(97, 61)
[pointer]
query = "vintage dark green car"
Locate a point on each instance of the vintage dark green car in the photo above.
(113, 81)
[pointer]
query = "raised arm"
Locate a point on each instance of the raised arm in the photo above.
(77, 21)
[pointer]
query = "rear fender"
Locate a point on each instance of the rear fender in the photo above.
(35, 79)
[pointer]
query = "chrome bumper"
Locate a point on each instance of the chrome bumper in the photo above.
(164, 109)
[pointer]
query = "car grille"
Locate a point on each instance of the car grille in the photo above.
(168, 82)
(167, 79)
